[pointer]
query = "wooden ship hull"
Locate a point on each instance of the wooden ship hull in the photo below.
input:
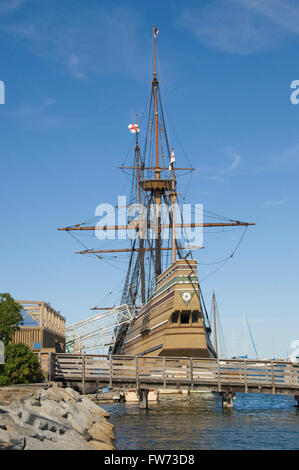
(171, 323)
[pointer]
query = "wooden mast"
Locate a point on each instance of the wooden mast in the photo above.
(137, 152)
(173, 200)
(155, 84)
(140, 232)
(157, 192)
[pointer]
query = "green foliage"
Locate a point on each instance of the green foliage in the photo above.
(10, 317)
(21, 366)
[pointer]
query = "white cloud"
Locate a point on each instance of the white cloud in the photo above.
(266, 204)
(40, 117)
(284, 13)
(7, 6)
(242, 26)
(218, 177)
(84, 40)
(236, 161)
(283, 162)
(73, 65)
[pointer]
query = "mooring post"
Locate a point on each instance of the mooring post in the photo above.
(228, 399)
(297, 399)
(143, 397)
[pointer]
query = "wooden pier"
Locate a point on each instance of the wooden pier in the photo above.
(89, 372)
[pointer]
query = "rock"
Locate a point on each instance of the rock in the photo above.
(9, 441)
(55, 418)
(58, 394)
(93, 408)
(97, 445)
(97, 433)
(34, 402)
(9, 425)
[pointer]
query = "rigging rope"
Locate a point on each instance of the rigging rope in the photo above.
(226, 259)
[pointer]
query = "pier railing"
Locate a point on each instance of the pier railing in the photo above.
(169, 372)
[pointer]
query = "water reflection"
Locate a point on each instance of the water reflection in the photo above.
(198, 421)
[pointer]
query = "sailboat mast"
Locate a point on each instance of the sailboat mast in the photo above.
(245, 336)
(234, 344)
(215, 325)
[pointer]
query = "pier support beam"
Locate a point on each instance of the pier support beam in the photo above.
(228, 399)
(143, 398)
(297, 399)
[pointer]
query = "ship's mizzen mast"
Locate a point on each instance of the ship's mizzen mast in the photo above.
(141, 243)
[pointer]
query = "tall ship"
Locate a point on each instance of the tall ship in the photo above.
(161, 287)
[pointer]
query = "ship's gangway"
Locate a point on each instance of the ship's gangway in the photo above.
(98, 332)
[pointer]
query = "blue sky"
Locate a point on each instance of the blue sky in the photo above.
(76, 73)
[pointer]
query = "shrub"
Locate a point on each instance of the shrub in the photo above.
(21, 366)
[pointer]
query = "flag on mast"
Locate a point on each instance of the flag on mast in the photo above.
(172, 160)
(133, 128)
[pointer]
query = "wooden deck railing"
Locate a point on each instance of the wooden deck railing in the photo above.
(170, 371)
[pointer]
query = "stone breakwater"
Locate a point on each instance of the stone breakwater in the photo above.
(50, 418)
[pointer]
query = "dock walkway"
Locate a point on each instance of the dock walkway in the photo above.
(226, 377)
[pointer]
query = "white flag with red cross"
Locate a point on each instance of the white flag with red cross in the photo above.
(133, 128)
(172, 160)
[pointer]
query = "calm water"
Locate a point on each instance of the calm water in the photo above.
(198, 422)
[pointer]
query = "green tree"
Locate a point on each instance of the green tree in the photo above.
(21, 366)
(10, 317)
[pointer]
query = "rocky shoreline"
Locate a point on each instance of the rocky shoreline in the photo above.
(50, 417)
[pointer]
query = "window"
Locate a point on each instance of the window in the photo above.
(175, 317)
(195, 317)
(185, 317)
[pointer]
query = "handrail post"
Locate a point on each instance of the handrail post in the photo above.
(164, 372)
(137, 373)
(245, 376)
(272, 377)
(191, 373)
(110, 371)
(51, 370)
(219, 376)
(83, 373)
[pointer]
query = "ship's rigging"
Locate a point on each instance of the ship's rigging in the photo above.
(155, 198)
